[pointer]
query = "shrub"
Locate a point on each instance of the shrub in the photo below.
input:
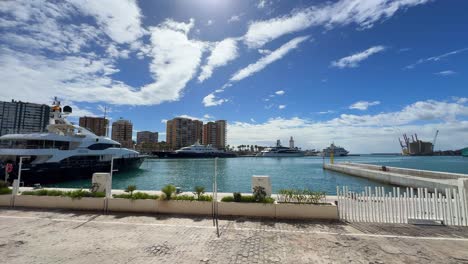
(300, 196)
(77, 194)
(168, 191)
(136, 196)
(237, 196)
(259, 193)
(5, 190)
(247, 199)
(130, 189)
(199, 190)
(3, 184)
(73, 194)
(184, 197)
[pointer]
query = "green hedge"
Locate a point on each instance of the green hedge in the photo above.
(72, 194)
(5, 190)
(185, 197)
(247, 199)
(136, 196)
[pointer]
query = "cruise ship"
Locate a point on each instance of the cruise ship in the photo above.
(65, 152)
(336, 150)
(196, 151)
(280, 151)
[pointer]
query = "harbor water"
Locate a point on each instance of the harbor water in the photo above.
(234, 174)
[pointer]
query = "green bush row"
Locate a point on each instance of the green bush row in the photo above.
(185, 197)
(5, 190)
(246, 199)
(136, 196)
(72, 194)
(303, 196)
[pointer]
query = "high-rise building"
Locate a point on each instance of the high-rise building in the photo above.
(147, 137)
(97, 125)
(122, 132)
(20, 117)
(182, 132)
(214, 133)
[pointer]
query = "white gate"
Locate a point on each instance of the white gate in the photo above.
(376, 205)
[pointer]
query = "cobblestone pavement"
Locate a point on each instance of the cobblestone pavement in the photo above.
(28, 236)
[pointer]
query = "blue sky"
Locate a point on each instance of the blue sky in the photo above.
(357, 73)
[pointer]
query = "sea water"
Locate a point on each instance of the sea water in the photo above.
(234, 174)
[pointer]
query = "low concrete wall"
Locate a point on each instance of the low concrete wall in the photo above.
(288, 211)
(306, 211)
(5, 199)
(84, 203)
(184, 207)
(128, 205)
(392, 177)
(247, 209)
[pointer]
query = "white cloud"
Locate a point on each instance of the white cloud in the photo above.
(210, 100)
(363, 105)
(354, 60)
(344, 12)
(436, 58)
(262, 4)
(164, 121)
(326, 112)
(209, 22)
(266, 60)
(121, 20)
(264, 51)
(235, 18)
(88, 76)
(280, 92)
(445, 73)
(281, 106)
(222, 53)
(461, 100)
(385, 128)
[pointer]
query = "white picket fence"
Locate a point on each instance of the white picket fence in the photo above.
(375, 205)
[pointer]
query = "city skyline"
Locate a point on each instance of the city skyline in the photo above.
(357, 73)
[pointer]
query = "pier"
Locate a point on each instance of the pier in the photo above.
(399, 176)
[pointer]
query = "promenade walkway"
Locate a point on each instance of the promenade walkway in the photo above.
(36, 236)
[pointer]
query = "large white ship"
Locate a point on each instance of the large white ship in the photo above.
(65, 152)
(280, 151)
(336, 150)
(197, 151)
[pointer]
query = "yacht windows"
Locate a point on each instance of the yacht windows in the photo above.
(34, 144)
(102, 146)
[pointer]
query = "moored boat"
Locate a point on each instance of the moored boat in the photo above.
(280, 151)
(65, 152)
(196, 151)
(336, 150)
(464, 152)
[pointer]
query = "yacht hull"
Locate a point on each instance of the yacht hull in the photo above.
(48, 173)
(182, 155)
(281, 155)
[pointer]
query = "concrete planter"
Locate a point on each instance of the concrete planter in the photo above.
(5, 199)
(184, 207)
(129, 205)
(306, 211)
(85, 203)
(247, 209)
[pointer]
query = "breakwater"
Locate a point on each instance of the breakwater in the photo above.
(399, 176)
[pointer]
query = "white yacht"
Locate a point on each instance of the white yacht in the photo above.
(65, 152)
(336, 150)
(280, 151)
(197, 151)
